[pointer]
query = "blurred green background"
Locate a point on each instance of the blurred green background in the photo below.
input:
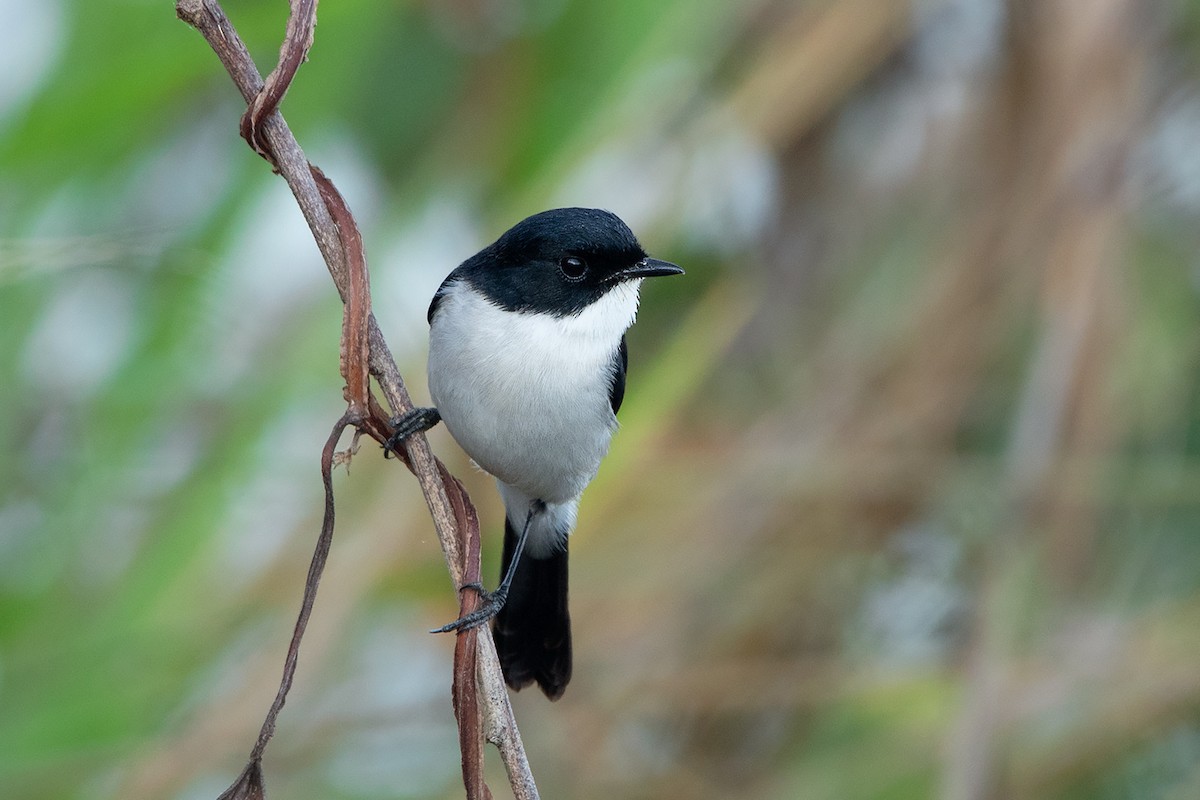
(906, 503)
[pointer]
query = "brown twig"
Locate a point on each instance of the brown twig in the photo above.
(478, 688)
(249, 785)
(354, 348)
(301, 24)
(464, 692)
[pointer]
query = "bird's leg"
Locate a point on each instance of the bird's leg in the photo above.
(416, 421)
(492, 602)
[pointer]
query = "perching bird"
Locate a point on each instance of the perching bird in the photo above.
(527, 363)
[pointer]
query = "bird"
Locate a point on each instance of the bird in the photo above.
(527, 365)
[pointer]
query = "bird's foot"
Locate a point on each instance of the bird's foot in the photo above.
(416, 421)
(490, 604)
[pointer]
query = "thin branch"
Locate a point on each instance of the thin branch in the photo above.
(301, 24)
(354, 351)
(249, 785)
(340, 245)
(465, 691)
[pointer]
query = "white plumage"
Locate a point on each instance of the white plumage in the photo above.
(526, 395)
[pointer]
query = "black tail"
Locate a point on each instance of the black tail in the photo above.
(533, 629)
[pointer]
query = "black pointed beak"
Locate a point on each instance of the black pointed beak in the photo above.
(648, 268)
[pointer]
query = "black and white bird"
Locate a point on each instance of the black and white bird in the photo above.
(527, 363)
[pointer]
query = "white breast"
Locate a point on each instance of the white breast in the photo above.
(527, 395)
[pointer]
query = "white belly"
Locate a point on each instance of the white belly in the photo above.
(527, 395)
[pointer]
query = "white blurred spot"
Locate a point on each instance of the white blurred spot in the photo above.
(274, 274)
(282, 497)
(183, 181)
(421, 253)
(726, 179)
(30, 40)
(168, 454)
(272, 268)
(886, 130)
(391, 701)
(634, 178)
(958, 37)
(730, 188)
(83, 334)
(1168, 162)
(908, 617)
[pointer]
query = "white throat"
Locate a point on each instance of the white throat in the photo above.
(605, 320)
(527, 394)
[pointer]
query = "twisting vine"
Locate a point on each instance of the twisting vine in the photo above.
(480, 700)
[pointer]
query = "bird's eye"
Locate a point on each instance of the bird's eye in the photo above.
(572, 268)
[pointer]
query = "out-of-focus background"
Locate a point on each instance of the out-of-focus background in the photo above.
(906, 502)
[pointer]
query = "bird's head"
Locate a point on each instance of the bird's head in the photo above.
(561, 261)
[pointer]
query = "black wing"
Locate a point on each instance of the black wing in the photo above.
(437, 296)
(620, 362)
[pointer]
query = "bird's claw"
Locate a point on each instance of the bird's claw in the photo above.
(416, 421)
(490, 604)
